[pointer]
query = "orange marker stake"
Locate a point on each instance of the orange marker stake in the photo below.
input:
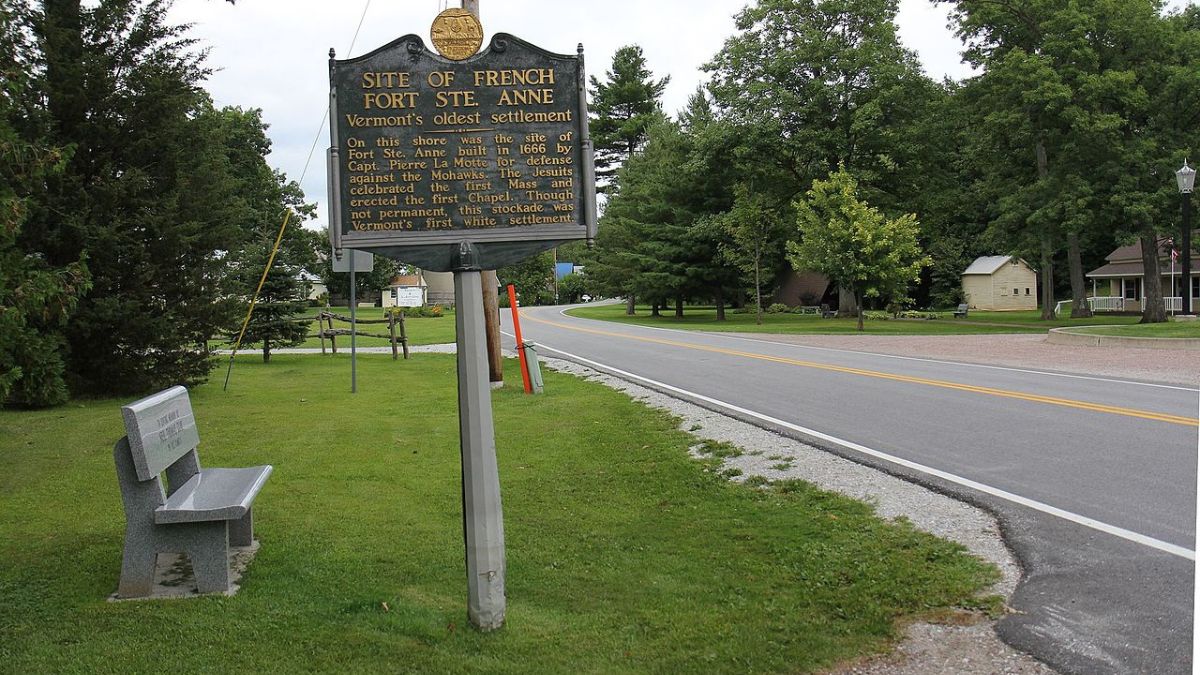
(512, 303)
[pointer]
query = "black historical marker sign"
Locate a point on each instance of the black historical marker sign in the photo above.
(429, 154)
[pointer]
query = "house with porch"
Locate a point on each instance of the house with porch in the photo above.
(1119, 286)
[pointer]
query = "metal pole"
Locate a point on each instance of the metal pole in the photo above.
(1186, 301)
(483, 520)
(353, 326)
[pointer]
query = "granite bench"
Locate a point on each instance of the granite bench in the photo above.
(201, 513)
(961, 312)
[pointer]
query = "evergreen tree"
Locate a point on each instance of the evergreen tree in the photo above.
(281, 299)
(655, 241)
(622, 109)
(35, 297)
(143, 194)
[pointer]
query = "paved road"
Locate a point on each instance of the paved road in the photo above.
(1093, 478)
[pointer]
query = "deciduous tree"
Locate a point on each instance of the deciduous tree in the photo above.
(854, 244)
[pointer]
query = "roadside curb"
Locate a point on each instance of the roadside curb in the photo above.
(1070, 336)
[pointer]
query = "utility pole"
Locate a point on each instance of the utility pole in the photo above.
(483, 519)
(491, 289)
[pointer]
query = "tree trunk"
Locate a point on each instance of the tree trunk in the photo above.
(679, 307)
(1153, 310)
(654, 308)
(1047, 263)
(758, 293)
(1047, 249)
(629, 303)
(858, 309)
(1079, 306)
(847, 304)
(720, 304)
(266, 351)
(490, 288)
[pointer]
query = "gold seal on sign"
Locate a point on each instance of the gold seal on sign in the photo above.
(457, 34)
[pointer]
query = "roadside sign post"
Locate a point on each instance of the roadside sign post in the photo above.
(351, 261)
(463, 161)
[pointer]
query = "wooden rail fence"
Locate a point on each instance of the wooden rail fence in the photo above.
(397, 336)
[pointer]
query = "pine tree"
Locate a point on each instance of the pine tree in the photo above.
(281, 299)
(35, 297)
(622, 109)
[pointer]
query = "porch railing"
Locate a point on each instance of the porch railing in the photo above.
(1117, 304)
(1107, 304)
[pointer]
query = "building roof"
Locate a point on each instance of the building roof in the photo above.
(402, 280)
(1120, 269)
(1126, 261)
(987, 264)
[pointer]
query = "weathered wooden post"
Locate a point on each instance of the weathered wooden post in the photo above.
(403, 336)
(321, 330)
(392, 332)
(332, 335)
(462, 161)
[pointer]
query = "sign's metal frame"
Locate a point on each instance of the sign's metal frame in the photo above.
(462, 249)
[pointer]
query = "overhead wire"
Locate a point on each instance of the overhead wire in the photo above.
(287, 214)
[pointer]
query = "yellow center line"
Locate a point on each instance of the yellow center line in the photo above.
(990, 391)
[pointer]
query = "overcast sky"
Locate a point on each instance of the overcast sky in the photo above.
(274, 55)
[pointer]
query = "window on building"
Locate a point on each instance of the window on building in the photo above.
(1133, 289)
(1016, 291)
(1026, 291)
(1196, 287)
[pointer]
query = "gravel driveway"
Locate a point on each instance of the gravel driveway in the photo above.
(1172, 366)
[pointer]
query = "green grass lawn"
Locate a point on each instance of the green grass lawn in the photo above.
(704, 318)
(624, 554)
(1173, 329)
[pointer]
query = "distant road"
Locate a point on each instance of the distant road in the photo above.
(1093, 478)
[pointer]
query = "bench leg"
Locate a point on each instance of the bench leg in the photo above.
(137, 569)
(241, 531)
(209, 552)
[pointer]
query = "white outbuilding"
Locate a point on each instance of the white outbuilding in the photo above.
(1000, 282)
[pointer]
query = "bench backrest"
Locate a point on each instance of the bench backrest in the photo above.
(962, 308)
(161, 429)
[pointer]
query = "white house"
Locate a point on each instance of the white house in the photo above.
(1118, 285)
(1000, 282)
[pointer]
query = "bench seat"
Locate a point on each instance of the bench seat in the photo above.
(213, 494)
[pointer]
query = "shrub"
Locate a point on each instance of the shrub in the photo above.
(423, 312)
(777, 308)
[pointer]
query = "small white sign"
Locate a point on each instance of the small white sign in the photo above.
(363, 261)
(408, 296)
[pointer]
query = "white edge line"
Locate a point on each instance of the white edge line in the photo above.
(1115, 531)
(1094, 378)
